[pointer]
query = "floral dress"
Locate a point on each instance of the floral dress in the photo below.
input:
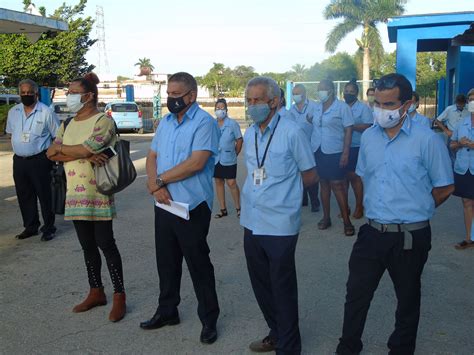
(83, 201)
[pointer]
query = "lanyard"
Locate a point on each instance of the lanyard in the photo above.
(26, 118)
(266, 148)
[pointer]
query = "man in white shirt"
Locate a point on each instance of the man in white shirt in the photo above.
(452, 115)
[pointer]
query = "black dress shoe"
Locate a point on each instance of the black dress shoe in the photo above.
(315, 208)
(208, 334)
(47, 236)
(25, 234)
(159, 321)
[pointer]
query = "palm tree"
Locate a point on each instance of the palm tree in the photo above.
(298, 72)
(365, 14)
(146, 68)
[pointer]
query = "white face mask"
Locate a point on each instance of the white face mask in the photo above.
(323, 95)
(73, 102)
(220, 114)
(297, 99)
(412, 108)
(470, 106)
(387, 118)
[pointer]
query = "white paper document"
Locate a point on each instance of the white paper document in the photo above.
(179, 209)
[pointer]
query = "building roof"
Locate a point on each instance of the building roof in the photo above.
(415, 22)
(30, 25)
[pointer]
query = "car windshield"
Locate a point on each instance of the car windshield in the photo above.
(124, 108)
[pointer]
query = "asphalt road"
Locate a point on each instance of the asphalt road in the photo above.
(41, 282)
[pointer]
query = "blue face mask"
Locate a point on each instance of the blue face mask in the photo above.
(259, 112)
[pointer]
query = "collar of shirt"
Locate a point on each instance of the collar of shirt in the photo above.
(304, 107)
(406, 128)
(190, 113)
(330, 108)
(269, 128)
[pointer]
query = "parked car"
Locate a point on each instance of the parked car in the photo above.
(127, 115)
(61, 110)
(9, 99)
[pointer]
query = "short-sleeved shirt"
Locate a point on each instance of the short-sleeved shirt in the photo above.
(362, 115)
(400, 173)
(451, 116)
(274, 207)
(464, 156)
(304, 117)
(229, 133)
(332, 124)
(419, 118)
(83, 201)
(175, 142)
(40, 125)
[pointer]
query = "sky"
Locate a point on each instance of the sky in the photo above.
(191, 35)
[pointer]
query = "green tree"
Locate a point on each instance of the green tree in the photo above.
(56, 58)
(365, 14)
(298, 72)
(340, 66)
(146, 68)
(430, 67)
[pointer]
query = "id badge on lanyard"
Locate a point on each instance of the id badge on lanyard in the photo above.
(259, 176)
(25, 137)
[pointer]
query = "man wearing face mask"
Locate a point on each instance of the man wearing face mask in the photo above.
(32, 126)
(180, 166)
(279, 163)
(370, 98)
(452, 115)
(406, 173)
(415, 116)
(302, 112)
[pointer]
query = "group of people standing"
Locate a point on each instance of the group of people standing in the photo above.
(399, 169)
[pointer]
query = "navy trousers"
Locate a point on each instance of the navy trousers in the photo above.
(272, 271)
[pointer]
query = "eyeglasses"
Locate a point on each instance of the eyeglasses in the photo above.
(75, 93)
(385, 83)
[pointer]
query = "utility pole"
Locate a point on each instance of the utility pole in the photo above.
(102, 63)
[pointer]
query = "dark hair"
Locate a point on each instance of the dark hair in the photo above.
(417, 97)
(369, 90)
(353, 83)
(394, 80)
(185, 78)
(221, 101)
(460, 99)
(329, 83)
(282, 97)
(89, 83)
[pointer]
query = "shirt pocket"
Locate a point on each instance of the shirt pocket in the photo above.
(38, 127)
(278, 163)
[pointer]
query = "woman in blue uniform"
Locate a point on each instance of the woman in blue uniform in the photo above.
(230, 145)
(363, 119)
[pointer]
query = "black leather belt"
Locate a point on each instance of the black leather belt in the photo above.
(31, 156)
(400, 228)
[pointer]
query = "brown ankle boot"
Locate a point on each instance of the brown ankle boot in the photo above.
(96, 297)
(118, 308)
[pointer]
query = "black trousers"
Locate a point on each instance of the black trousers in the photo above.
(272, 271)
(372, 254)
(93, 235)
(32, 182)
(176, 238)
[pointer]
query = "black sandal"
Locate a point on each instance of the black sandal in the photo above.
(238, 212)
(349, 230)
(324, 224)
(223, 213)
(464, 245)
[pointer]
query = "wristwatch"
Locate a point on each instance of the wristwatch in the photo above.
(159, 182)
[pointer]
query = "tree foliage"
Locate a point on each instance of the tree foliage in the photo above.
(56, 58)
(340, 66)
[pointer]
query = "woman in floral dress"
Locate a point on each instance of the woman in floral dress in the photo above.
(79, 146)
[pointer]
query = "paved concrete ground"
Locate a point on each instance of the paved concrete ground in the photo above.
(40, 282)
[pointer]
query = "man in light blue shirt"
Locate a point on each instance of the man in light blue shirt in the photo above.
(180, 165)
(415, 116)
(279, 162)
(32, 126)
(406, 172)
(302, 112)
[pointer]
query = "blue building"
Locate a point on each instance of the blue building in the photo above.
(449, 32)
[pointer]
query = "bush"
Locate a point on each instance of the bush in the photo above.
(3, 116)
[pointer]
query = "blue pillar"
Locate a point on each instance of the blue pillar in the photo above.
(45, 95)
(406, 55)
(289, 94)
(129, 93)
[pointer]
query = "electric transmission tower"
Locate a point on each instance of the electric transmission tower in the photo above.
(102, 63)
